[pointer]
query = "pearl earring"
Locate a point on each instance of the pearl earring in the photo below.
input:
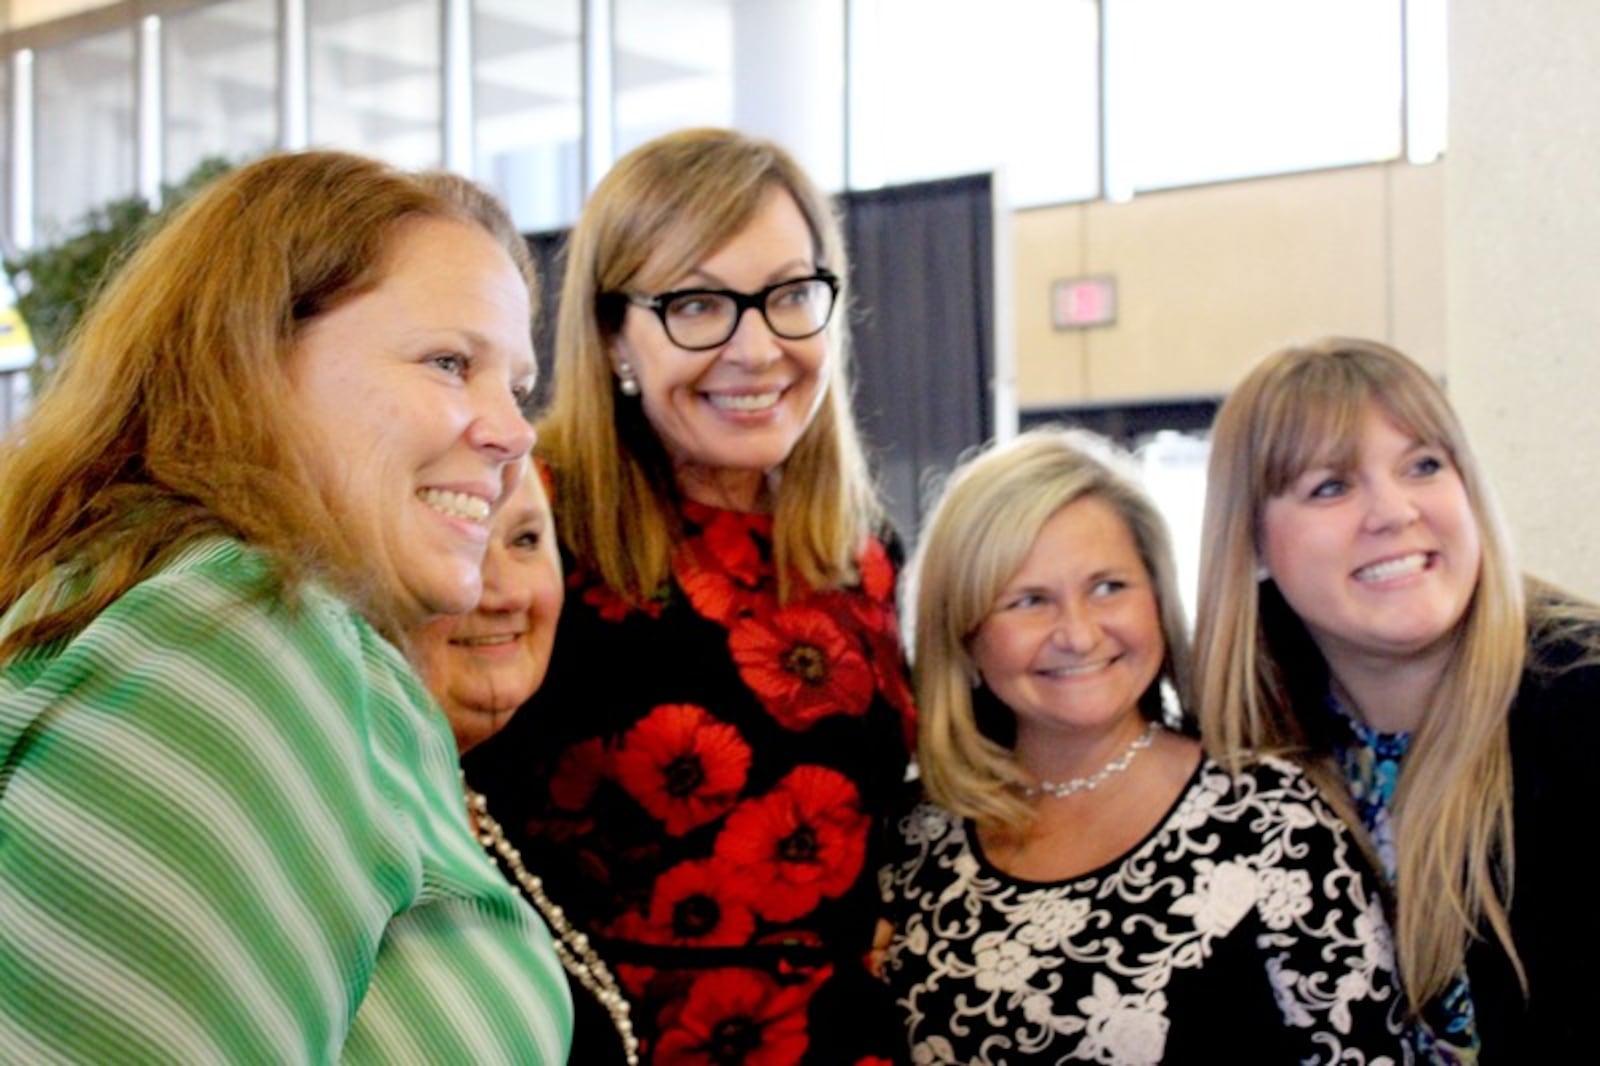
(627, 384)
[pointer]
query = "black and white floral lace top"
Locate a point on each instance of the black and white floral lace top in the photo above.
(1244, 928)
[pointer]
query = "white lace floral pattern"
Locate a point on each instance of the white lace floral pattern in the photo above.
(1244, 925)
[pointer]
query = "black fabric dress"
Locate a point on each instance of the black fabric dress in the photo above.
(1245, 927)
(702, 782)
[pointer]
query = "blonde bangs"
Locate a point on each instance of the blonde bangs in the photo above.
(1310, 411)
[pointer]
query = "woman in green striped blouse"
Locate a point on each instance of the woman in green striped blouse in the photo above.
(231, 823)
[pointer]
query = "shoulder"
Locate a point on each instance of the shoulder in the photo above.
(1554, 731)
(920, 830)
(1270, 799)
(209, 639)
(1267, 780)
(924, 822)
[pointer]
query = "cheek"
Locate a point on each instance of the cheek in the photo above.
(431, 644)
(546, 599)
(1286, 542)
(993, 649)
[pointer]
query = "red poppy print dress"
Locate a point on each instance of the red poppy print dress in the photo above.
(702, 782)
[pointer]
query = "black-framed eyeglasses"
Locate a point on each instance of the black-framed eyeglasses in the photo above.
(698, 319)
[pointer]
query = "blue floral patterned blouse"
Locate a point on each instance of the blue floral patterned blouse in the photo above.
(1371, 764)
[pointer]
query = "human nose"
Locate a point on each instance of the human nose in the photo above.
(1389, 505)
(753, 343)
(1075, 629)
(498, 426)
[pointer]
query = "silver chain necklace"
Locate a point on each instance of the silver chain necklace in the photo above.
(1095, 780)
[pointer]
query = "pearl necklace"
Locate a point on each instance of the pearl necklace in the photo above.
(572, 946)
(1098, 778)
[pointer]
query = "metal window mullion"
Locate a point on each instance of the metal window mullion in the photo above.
(148, 146)
(294, 85)
(457, 133)
(599, 91)
(22, 149)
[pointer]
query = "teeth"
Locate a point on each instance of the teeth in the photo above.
(485, 642)
(748, 401)
(1075, 671)
(456, 504)
(1392, 568)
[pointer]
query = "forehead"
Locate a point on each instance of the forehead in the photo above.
(1082, 537)
(774, 233)
(1333, 435)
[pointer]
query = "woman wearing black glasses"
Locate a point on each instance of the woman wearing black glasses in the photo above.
(728, 710)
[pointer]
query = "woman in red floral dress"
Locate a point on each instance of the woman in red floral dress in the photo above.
(727, 713)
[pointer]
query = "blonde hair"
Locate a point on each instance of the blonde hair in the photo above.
(666, 206)
(1262, 683)
(172, 417)
(985, 523)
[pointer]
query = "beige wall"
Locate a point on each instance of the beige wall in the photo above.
(20, 13)
(1210, 279)
(1524, 269)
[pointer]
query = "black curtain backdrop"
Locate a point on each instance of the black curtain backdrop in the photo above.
(922, 267)
(922, 322)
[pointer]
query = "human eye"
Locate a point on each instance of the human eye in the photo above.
(522, 393)
(528, 540)
(456, 364)
(1020, 601)
(1326, 487)
(1107, 586)
(793, 293)
(696, 304)
(1427, 464)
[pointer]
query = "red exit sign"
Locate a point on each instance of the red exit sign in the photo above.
(1078, 303)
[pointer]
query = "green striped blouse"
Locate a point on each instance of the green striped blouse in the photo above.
(235, 832)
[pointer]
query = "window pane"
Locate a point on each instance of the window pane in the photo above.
(376, 84)
(83, 129)
(1233, 88)
(5, 152)
(944, 87)
(774, 68)
(527, 98)
(219, 84)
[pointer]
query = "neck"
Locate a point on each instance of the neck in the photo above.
(1389, 695)
(1060, 757)
(733, 490)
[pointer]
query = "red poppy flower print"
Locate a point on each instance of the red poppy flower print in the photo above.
(802, 842)
(702, 902)
(682, 765)
(722, 570)
(578, 773)
(877, 572)
(802, 665)
(607, 604)
(736, 1018)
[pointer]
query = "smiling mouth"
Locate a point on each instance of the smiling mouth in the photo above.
(456, 504)
(744, 401)
(1080, 670)
(494, 641)
(1389, 569)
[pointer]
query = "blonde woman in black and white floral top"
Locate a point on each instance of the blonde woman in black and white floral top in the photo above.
(1081, 883)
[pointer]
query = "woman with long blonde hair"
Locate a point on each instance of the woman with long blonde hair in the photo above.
(725, 716)
(1361, 613)
(1081, 883)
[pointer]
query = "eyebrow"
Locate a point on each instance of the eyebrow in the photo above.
(775, 277)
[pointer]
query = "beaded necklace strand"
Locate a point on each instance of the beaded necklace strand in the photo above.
(572, 945)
